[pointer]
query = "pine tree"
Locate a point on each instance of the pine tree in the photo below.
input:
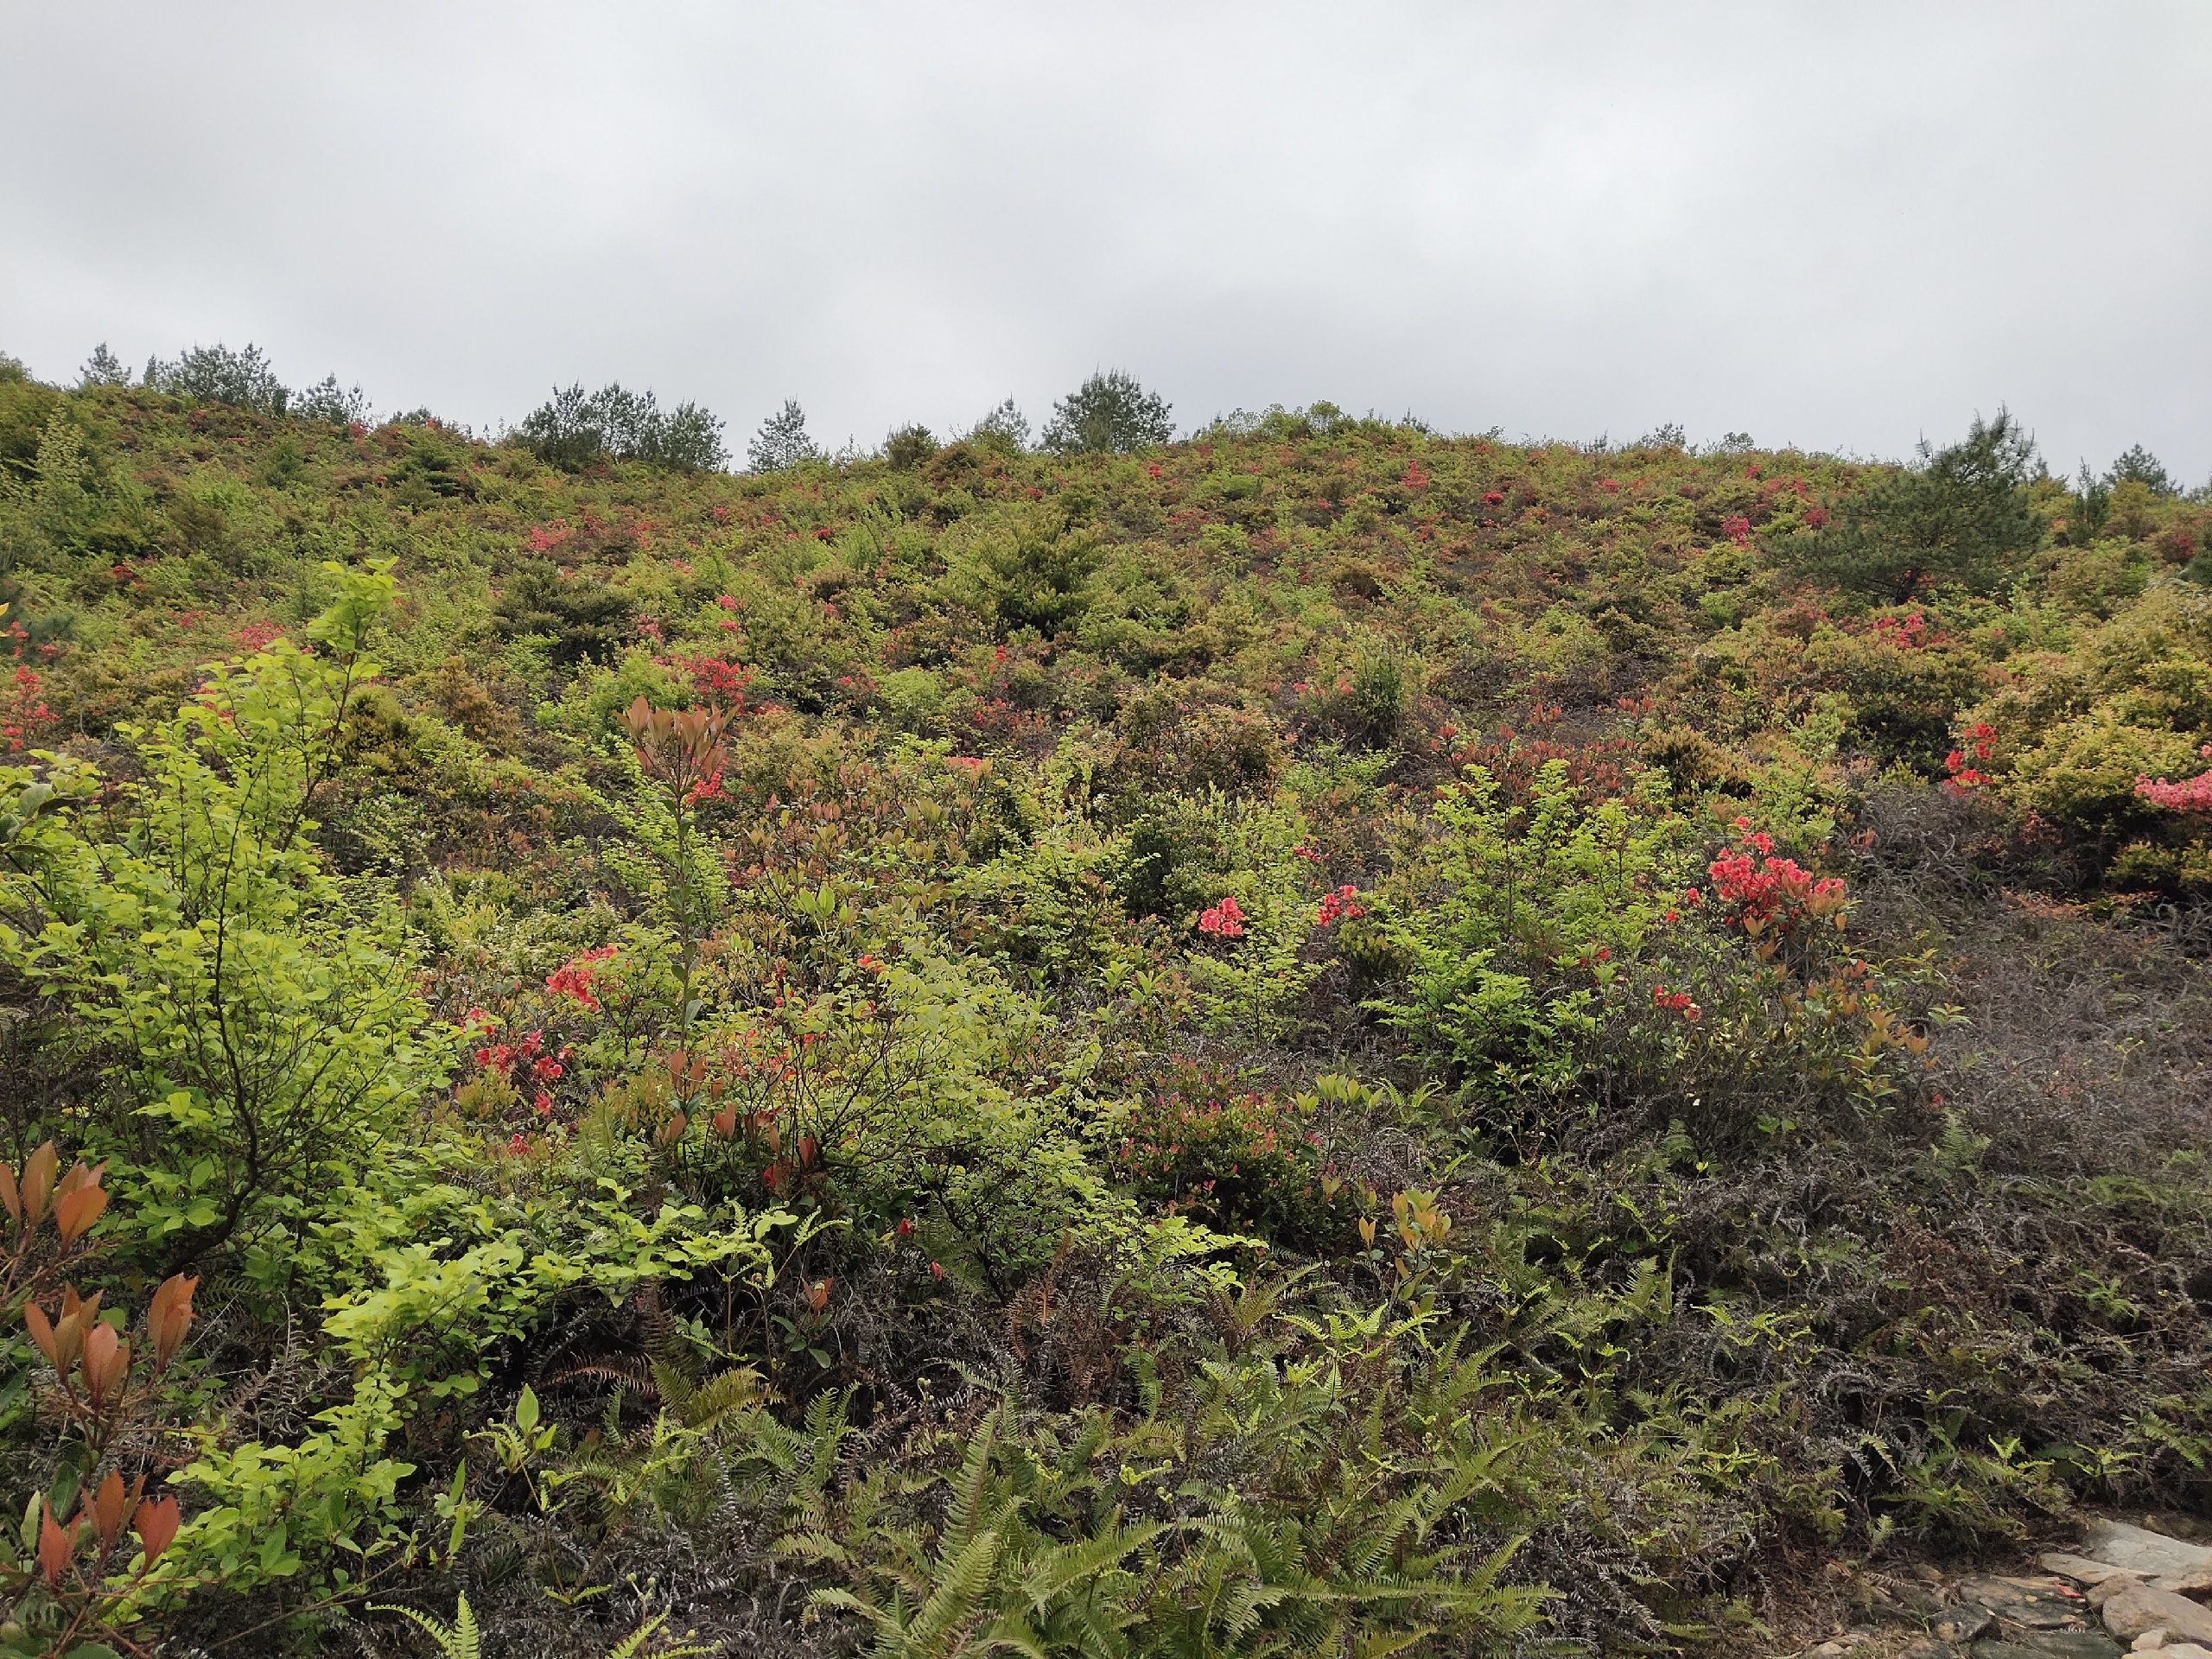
(103, 368)
(782, 440)
(1107, 414)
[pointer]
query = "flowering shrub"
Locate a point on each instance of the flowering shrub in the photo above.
(2193, 796)
(1224, 919)
(526, 1070)
(573, 978)
(1775, 901)
(1909, 633)
(1983, 737)
(24, 717)
(1341, 906)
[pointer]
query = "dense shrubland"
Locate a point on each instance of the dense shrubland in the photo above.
(1319, 1039)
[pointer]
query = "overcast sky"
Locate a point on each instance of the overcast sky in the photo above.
(1841, 226)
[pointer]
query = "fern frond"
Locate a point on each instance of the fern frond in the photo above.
(1053, 1572)
(625, 1369)
(933, 1632)
(459, 1640)
(963, 1518)
(725, 1392)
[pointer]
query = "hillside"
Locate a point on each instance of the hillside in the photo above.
(1311, 1039)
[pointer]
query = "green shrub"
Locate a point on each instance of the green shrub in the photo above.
(1520, 922)
(587, 621)
(1238, 1161)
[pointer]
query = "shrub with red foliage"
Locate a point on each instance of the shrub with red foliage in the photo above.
(24, 716)
(1235, 1159)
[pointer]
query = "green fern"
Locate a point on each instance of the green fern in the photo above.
(462, 1639)
(459, 1640)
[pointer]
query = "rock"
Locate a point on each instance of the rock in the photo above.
(2187, 1527)
(1928, 1647)
(2101, 1593)
(2071, 1644)
(2039, 1604)
(2145, 1607)
(2080, 1568)
(2149, 1642)
(2166, 1563)
(1960, 1626)
(2051, 1644)
(2184, 1650)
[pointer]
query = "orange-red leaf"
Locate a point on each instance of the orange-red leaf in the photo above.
(76, 1211)
(107, 1361)
(38, 1181)
(156, 1521)
(54, 1546)
(170, 1317)
(107, 1507)
(42, 1330)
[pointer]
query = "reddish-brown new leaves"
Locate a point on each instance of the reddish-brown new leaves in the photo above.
(169, 1318)
(156, 1521)
(683, 750)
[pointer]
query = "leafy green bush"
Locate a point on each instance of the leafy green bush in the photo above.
(1238, 1161)
(587, 621)
(1520, 922)
(262, 1043)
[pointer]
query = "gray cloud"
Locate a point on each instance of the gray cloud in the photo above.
(1840, 226)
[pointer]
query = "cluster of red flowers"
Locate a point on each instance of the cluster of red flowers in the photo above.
(1984, 739)
(1493, 498)
(2194, 795)
(718, 679)
(529, 1065)
(256, 636)
(23, 711)
(573, 978)
(1737, 529)
(1677, 1002)
(1763, 888)
(1906, 633)
(1224, 920)
(1342, 905)
(543, 538)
